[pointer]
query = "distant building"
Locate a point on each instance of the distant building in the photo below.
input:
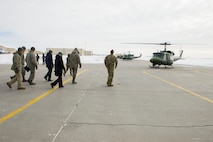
(6, 50)
(88, 53)
(67, 51)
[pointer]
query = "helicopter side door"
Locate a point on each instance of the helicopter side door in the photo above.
(169, 59)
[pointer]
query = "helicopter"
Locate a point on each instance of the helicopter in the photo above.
(128, 56)
(165, 57)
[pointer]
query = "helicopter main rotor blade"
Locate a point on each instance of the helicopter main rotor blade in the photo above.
(165, 43)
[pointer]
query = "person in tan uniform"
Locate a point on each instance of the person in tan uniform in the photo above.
(32, 64)
(111, 63)
(23, 63)
(17, 68)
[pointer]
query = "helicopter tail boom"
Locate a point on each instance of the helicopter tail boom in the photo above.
(180, 56)
(138, 56)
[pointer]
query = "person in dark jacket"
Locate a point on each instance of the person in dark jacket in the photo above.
(23, 63)
(49, 65)
(43, 58)
(37, 58)
(59, 67)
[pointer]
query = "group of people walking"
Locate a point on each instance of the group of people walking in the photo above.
(73, 63)
(19, 68)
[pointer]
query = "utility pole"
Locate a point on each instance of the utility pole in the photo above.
(85, 46)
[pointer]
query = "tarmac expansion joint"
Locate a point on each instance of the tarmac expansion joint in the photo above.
(144, 125)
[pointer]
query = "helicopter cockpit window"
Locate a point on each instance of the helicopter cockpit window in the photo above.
(159, 55)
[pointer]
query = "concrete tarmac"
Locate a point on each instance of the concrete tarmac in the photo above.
(144, 105)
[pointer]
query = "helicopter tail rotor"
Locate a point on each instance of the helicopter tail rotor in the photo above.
(181, 53)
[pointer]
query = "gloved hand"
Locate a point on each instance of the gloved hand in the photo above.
(36, 67)
(79, 65)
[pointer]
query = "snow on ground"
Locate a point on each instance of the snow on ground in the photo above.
(7, 59)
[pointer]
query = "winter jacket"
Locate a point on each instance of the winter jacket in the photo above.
(49, 60)
(110, 61)
(75, 59)
(31, 60)
(59, 65)
(17, 64)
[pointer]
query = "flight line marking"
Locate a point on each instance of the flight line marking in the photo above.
(179, 87)
(33, 101)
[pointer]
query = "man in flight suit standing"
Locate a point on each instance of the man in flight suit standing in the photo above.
(110, 63)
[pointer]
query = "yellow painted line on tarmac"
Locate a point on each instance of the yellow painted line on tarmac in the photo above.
(35, 100)
(179, 87)
(15, 112)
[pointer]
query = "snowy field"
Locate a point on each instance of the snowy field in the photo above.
(208, 62)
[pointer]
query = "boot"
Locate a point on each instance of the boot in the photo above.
(51, 84)
(8, 84)
(24, 80)
(31, 82)
(60, 84)
(45, 77)
(73, 82)
(20, 88)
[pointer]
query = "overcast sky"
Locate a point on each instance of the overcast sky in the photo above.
(101, 25)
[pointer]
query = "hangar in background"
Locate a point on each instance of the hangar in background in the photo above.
(67, 51)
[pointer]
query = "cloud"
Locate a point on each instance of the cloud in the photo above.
(104, 24)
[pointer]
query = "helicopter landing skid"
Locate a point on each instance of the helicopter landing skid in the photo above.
(151, 66)
(157, 67)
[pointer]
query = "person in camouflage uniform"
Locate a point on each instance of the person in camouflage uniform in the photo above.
(111, 62)
(74, 63)
(17, 68)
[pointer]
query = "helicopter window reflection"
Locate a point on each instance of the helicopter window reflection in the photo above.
(159, 55)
